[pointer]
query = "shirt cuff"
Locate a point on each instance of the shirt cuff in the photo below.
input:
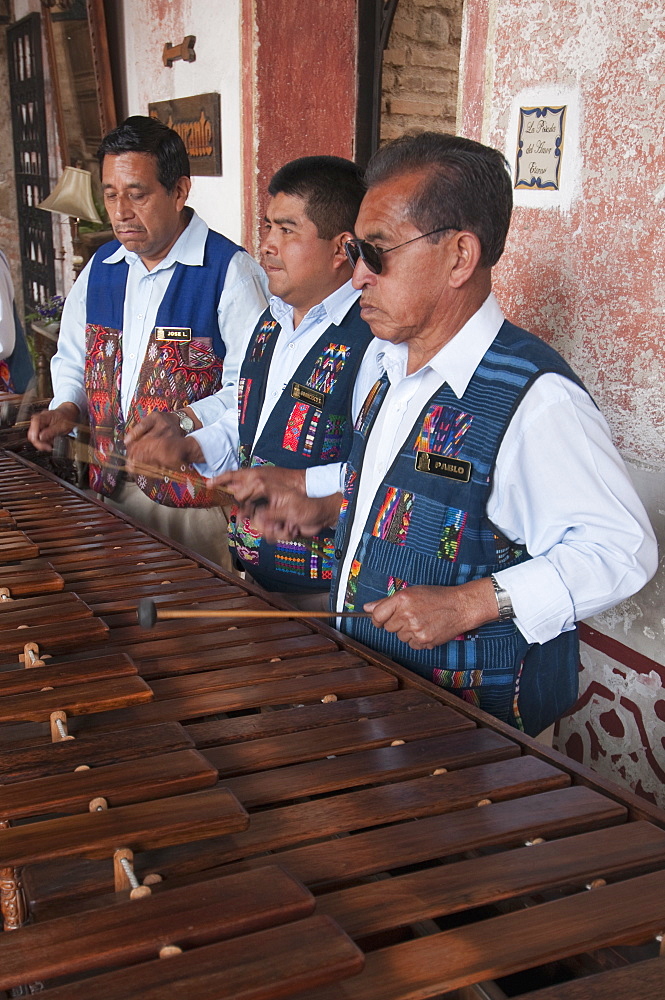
(219, 455)
(322, 480)
(76, 396)
(542, 603)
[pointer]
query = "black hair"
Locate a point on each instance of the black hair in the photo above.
(139, 134)
(466, 185)
(331, 187)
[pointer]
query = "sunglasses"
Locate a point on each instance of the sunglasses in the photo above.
(371, 255)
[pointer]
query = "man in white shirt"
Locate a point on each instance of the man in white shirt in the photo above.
(147, 326)
(485, 508)
(293, 406)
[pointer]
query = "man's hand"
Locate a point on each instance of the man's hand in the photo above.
(157, 442)
(425, 617)
(287, 514)
(262, 484)
(50, 424)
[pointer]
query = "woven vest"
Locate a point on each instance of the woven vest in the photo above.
(428, 525)
(311, 424)
(172, 375)
(17, 369)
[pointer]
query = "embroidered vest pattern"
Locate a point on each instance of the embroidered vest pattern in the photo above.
(172, 374)
(298, 433)
(431, 529)
(6, 384)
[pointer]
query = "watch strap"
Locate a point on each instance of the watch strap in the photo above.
(503, 601)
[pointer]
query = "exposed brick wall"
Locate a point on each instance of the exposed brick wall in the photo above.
(421, 67)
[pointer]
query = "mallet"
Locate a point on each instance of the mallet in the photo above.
(148, 613)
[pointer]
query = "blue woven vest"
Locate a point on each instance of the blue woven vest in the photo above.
(194, 370)
(431, 528)
(311, 424)
(191, 298)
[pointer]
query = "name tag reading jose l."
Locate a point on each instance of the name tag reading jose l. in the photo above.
(308, 395)
(179, 334)
(439, 465)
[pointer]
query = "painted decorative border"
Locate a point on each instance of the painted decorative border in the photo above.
(532, 122)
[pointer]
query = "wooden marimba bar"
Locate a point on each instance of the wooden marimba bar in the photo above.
(311, 820)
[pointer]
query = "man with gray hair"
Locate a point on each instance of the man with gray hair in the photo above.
(485, 509)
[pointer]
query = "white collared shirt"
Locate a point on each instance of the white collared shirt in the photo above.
(560, 487)
(242, 301)
(219, 441)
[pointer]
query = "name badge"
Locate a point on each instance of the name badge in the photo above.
(439, 465)
(308, 395)
(179, 334)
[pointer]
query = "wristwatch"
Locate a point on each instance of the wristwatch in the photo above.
(504, 604)
(185, 421)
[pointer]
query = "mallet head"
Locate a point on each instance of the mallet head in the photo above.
(146, 612)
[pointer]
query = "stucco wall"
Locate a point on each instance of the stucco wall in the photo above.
(145, 28)
(584, 267)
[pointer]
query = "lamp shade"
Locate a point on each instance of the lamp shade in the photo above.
(72, 195)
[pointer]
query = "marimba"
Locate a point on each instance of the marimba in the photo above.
(255, 809)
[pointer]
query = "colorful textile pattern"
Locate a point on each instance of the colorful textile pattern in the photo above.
(451, 537)
(392, 522)
(443, 431)
(349, 487)
(465, 683)
(352, 585)
(321, 558)
(246, 541)
(5, 378)
(244, 455)
(367, 411)
(102, 382)
(171, 376)
(311, 434)
(291, 557)
(516, 697)
(262, 338)
(244, 389)
(332, 442)
(395, 584)
(328, 367)
(294, 426)
(506, 552)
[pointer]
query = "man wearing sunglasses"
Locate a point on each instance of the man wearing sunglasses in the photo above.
(485, 509)
(293, 406)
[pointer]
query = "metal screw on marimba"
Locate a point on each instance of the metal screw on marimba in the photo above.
(129, 872)
(61, 729)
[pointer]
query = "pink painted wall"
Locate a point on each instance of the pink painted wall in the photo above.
(585, 270)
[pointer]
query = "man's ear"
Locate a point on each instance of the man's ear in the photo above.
(340, 258)
(466, 252)
(182, 188)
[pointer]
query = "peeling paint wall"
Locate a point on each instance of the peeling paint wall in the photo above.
(146, 27)
(585, 269)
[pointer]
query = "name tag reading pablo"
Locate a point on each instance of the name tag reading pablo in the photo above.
(179, 334)
(308, 395)
(439, 465)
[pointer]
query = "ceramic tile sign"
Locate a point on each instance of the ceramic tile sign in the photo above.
(198, 122)
(539, 148)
